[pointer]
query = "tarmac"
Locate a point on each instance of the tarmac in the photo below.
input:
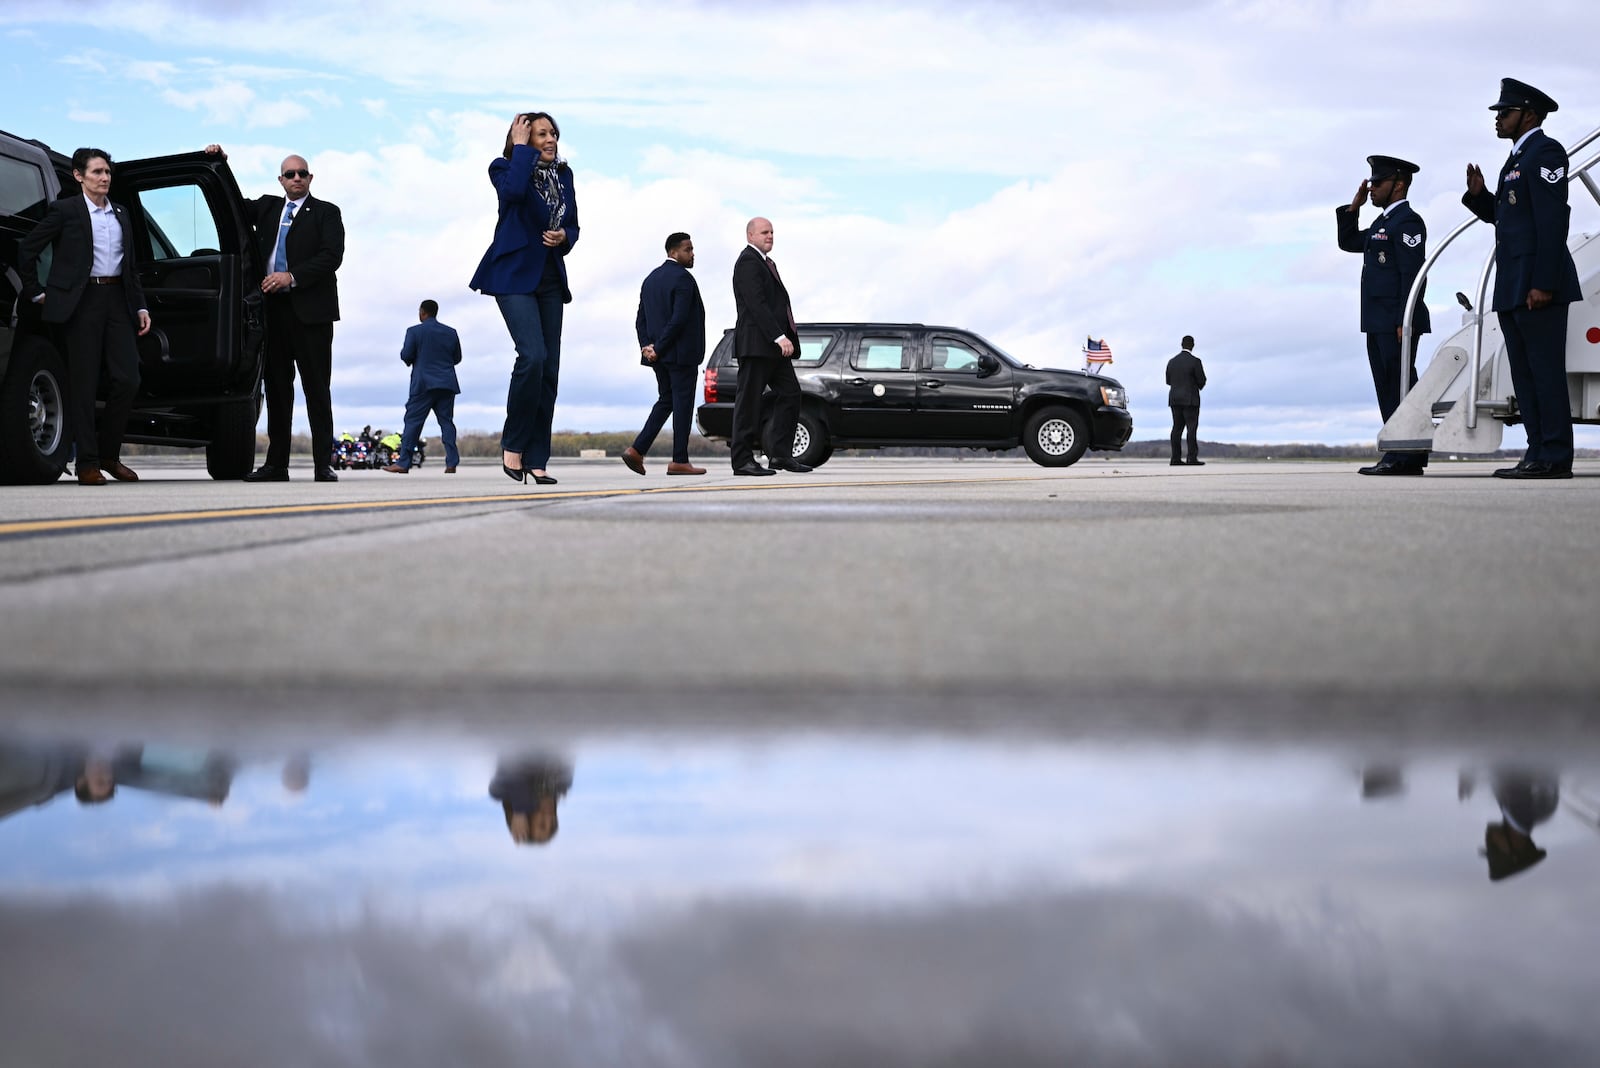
(1249, 600)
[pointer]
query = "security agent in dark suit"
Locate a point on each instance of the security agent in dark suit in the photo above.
(432, 350)
(1186, 377)
(94, 293)
(1534, 276)
(764, 341)
(300, 240)
(671, 327)
(1393, 250)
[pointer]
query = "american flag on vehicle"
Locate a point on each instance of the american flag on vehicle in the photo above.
(1096, 353)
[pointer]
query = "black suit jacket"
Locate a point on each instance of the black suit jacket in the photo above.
(672, 316)
(66, 225)
(762, 306)
(314, 249)
(1186, 376)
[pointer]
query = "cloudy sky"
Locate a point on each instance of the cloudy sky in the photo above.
(1037, 172)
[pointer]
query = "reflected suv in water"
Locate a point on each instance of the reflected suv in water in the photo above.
(870, 385)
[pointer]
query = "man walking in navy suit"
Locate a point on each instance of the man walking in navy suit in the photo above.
(765, 342)
(94, 293)
(431, 350)
(300, 241)
(1394, 248)
(671, 326)
(1534, 276)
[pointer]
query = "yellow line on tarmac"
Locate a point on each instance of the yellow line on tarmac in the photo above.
(147, 519)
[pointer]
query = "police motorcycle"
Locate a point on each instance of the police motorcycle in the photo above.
(386, 451)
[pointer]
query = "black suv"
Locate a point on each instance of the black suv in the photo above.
(867, 385)
(200, 365)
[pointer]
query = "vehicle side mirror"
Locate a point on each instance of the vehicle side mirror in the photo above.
(987, 365)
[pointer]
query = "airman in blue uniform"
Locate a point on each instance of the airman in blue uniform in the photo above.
(1535, 278)
(1393, 250)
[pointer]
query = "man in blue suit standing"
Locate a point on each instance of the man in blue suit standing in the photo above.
(1534, 276)
(431, 350)
(1393, 250)
(671, 326)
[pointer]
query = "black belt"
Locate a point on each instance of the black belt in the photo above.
(105, 280)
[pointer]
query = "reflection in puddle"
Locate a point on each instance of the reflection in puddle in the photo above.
(818, 900)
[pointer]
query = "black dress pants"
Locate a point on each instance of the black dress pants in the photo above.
(1536, 349)
(101, 337)
(1186, 420)
(757, 374)
(292, 344)
(1383, 356)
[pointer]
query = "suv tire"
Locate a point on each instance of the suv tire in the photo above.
(35, 429)
(232, 451)
(811, 444)
(1055, 437)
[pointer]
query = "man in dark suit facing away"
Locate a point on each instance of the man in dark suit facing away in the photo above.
(432, 350)
(94, 293)
(300, 240)
(1186, 377)
(764, 342)
(671, 326)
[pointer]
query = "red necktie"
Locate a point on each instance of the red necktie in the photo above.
(773, 267)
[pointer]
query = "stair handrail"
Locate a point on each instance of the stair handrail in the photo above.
(1582, 172)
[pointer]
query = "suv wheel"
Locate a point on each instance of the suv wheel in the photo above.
(232, 451)
(35, 430)
(1055, 437)
(811, 444)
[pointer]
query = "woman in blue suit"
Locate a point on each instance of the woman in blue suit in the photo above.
(526, 273)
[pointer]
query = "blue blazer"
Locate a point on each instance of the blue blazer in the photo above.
(432, 350)
(1531, 216)
(672, 316)
(515, 261)
(1393, 249)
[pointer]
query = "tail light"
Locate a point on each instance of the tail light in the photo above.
(711, 385)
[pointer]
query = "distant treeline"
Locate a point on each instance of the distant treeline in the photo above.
(612, 443)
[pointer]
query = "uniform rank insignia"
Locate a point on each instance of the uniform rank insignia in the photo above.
(1411, 240)
(1552, 176)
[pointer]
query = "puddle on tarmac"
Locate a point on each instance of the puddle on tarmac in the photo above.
(812, 900)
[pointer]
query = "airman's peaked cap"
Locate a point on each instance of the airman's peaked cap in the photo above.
(1515, 94)
(1390, 166)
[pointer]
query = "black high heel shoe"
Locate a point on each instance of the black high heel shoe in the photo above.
(516, 473)
(545, 480)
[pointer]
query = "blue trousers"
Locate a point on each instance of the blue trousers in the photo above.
(1383, 356)
(534, 321)
(442, 403)
(1536, 349)
(675, 398)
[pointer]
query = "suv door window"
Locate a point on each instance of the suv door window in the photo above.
(814, 348)
(878, 393)
(22, 189)
(180, 222)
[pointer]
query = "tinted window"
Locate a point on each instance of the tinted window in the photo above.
(22, 190)
(947, 354)
(814, 348)
(881, 354)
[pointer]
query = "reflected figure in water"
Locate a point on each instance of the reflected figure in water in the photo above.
(528, 788)
(35, 774)
(1526, 799)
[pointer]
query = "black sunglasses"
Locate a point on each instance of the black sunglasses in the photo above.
(297, 174)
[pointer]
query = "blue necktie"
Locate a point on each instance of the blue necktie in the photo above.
(280, 260)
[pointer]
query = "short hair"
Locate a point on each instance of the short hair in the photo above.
(81, 158)
(1188, 342)
(430, 308)
(675, 239)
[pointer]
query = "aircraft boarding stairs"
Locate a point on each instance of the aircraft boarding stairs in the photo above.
(1472, 420)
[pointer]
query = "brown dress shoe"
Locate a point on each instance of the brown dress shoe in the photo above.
(684, 469)
(90, 476)
(395, 469)
(449, 470)
(119, 471)
(633, 459)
